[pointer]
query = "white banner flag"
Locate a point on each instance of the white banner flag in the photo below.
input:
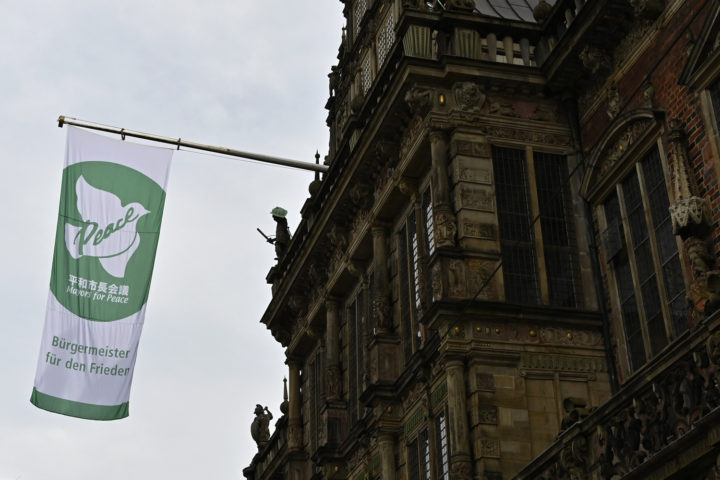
(111, 206)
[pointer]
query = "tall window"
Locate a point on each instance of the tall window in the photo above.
(419, 457)
(442, 456)
(528, 227)
(715, 99)
(356, 353)
(643, 253)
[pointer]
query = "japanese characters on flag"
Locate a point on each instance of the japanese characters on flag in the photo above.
(111, 207)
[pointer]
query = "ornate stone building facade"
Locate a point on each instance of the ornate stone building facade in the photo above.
(510, 268)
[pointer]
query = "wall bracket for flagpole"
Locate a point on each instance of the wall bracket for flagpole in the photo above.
(178, 142)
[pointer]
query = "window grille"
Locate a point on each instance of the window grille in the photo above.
(385, 38)
(405, 293)
(414, 245)
(442, 457)
(366, 74)
(514, 216)
(427, 209)
(358, 14)
(554, 205)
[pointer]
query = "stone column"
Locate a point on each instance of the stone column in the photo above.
(294, 419)
(458, 431)
(443, 216)
(333, 379)
(387, 456)
(382, 290)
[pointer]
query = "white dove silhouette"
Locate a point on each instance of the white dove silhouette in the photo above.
(109, 231)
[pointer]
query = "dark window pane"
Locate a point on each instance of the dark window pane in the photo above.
(715, 96)
(514, 216)
(554, 203)
(405, 293)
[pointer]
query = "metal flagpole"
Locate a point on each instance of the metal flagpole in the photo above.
(62, 120)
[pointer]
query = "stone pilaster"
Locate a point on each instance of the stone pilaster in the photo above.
(459, 431)
(386, 442)
(294, 417)
(443, 216)
(332, 346)
(383, 313)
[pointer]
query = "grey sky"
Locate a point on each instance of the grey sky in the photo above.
(248, 75)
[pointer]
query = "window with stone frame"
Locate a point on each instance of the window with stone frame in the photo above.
(418, 457)
(414, 238)
(317, 394)
(385, 37)
(358, 14)
(355, 314)
(442, 459)
(642, 253)
(537, 237)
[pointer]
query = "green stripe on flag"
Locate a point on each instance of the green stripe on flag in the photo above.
(78, 409)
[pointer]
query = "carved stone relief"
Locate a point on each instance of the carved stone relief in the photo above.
(469, 96)
(594, 59)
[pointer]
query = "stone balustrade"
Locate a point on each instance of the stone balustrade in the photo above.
(671, 405)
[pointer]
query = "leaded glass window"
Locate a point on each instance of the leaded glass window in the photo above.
(643, 252)
(514, 215)
(442, 456)
(356, 353)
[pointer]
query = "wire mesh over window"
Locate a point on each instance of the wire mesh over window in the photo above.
(554, 204)
(358, 14)
(366, 74)
(414, 245)
(514, 215)
(385, 38)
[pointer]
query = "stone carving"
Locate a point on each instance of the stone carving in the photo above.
(647, 8)
(475, 149)
(648, 94)
(383, 313)
(542, 11)
(630, 45)
(690, 214)
(445, 229)
(361, 195)
(575, 410)
(525, 135)
(480, 273)
(682, 395)
(333, 381)
(490, 448)
(469, 96)
(574, 459)
(614, 102)
(703, 296)
(504, 109)
(436, 279)
(485, 382)
(456, 278)
(488, 415)
(578, 337)
(477, 198)
(460, 470)
(544, 113)
(616, 150)
(541, 361)
(460, 4)
(259, 429)
(282, 232)
(594, 59)
(419, 99)
(476, 175)
(484, 231)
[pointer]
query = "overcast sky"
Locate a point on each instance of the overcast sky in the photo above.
(250, 75)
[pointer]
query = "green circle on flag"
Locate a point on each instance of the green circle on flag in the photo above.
(107, 233)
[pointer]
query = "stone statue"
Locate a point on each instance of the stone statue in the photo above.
(259, 429)
(282, 232)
